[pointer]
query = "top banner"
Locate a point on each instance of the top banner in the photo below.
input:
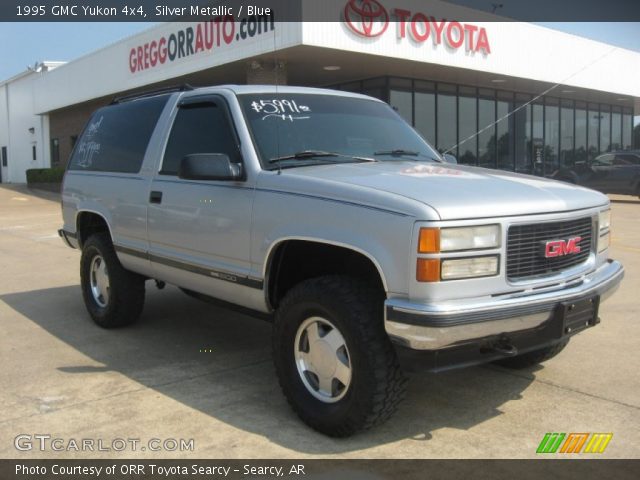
(296, 11)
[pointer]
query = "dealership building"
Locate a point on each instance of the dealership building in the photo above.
(508, 95)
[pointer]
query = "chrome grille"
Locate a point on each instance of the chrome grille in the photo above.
(525, 247)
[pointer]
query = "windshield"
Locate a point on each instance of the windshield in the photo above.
(303, 129)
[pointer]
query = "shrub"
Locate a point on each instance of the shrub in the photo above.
(45, 175)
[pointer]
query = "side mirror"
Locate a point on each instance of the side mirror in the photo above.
(209, 166)
(450, 158)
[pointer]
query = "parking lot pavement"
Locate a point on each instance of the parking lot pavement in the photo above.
(189, 370)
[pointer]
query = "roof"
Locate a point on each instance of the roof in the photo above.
(50, 65)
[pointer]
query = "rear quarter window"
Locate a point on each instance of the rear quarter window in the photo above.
(116, 137)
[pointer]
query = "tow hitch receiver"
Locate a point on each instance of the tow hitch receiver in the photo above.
(503, 347)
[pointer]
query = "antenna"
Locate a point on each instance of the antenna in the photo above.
(275, 67)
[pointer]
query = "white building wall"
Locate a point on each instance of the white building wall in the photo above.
(4, 130)
(106, 71)
(16, 120)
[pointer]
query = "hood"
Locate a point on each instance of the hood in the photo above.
(460, 192)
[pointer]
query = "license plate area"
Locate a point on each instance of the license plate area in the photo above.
(576, 316)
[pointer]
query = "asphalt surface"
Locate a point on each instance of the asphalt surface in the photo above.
(189, 370)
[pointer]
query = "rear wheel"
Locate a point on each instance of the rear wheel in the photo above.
(335, 363)
(113, 295)
(535, 357)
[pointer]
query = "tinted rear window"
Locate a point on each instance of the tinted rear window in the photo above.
(116, 137)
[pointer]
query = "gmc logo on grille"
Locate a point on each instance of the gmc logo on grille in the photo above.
(560, 248)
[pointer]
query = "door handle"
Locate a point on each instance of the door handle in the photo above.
(155, 197)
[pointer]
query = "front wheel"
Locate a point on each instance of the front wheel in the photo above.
(113, 295)
(335, 363)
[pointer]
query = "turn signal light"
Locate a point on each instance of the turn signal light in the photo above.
(428, 270)
(429, 240)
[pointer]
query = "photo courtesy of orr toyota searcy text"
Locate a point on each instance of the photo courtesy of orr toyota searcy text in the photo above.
(369, 18)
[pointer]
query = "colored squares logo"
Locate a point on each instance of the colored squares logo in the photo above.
(574, 442)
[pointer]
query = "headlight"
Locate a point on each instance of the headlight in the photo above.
(435, 240)
(604, 221)
(469, 267)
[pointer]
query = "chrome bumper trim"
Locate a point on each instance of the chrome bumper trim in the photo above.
(435, 326)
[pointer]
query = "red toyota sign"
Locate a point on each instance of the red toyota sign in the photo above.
(366, 17)
(369, 18)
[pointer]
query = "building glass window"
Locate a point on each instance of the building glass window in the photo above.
(504, 131)
(402, 103)
(566, 134)
(55, 152)
(522, 132)
(467, 128)
(487, 129)
(425, 110)
(551, 135)
(537, 147)
(447, 117)
(376, 88)
(500, 129)
(580, 152)
(605, 128)
(627, 129)
(4, 156)
(593, 131)
(616, 129)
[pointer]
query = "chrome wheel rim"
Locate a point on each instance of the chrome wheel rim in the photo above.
(99, 280)
(322, 359)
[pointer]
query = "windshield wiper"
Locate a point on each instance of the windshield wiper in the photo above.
(306, 154)
(397, 153)
(405, 153)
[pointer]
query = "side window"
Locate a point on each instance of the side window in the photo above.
(626, 159)
(198, 128)
(603, 160)
(116, 137)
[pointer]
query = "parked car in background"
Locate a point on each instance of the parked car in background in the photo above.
(612, 172)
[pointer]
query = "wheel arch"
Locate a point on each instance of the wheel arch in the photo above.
(89, 222)
(272, 267)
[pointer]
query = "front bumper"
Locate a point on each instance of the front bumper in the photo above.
(442, 326)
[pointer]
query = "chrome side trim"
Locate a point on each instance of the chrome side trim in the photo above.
(198, 269)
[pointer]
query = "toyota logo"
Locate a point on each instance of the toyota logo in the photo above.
(367, 18)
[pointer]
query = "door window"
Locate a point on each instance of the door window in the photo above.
(199, 128)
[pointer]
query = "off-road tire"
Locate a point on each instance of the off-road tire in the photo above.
(535, 357)
(126, 289)
(377, 384)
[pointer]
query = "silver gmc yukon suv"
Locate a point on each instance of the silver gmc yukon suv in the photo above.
(326, 213)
